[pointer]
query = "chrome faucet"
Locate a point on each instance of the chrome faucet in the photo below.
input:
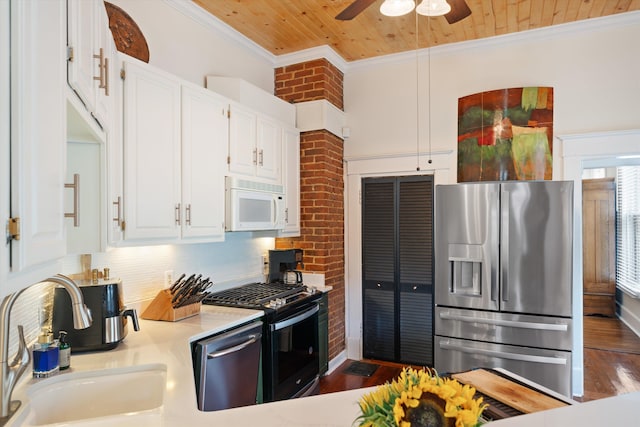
(11, 372)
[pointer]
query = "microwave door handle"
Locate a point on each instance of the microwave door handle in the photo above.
(274, 200)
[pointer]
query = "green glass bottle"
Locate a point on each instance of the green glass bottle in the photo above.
(65, 351)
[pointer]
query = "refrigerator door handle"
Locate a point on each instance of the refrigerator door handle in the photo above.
(504, 245)
(446, 345)
(509, 323)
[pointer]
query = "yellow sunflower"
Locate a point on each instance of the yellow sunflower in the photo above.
(420, 398)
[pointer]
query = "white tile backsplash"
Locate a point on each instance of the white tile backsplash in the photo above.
(235, 261)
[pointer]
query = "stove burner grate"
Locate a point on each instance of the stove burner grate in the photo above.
(254, 294)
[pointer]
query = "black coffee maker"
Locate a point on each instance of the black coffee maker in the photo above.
(283, 264)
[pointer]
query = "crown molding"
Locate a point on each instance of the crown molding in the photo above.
(584, 26)
(320, 52)
(204, 18)
(195, 12)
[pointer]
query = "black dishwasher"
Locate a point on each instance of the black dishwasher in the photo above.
(227, 368)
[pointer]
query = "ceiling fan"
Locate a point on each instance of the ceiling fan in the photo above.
(459, 10)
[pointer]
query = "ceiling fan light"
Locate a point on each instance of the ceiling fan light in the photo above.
(397, 7)
(433, 8)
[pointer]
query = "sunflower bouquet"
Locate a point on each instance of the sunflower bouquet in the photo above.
(420, 398)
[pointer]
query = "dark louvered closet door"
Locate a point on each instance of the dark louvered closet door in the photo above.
(378, 252)
(415, 243)
(397, 246)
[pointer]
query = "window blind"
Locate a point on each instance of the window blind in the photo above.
(628, 229)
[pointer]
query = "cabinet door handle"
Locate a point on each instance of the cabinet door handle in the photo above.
(118, 217)
(177, 213)
(255, 156)
(261, 163)
(76, 200)
(106, 76)
(100, 77)
(187, 218)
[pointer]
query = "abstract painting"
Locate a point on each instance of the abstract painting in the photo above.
(505, 135)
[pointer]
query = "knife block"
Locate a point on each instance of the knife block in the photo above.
(161, 309)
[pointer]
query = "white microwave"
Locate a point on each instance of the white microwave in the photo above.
(253, 206)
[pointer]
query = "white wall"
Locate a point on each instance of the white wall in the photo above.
(183, 41)
(593, 67)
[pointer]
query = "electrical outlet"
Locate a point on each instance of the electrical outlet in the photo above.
(265, 264)
(168, 278)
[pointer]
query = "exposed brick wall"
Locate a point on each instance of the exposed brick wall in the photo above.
(310, 81)
(321, 188)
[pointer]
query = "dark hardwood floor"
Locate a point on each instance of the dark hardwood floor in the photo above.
(611, 363)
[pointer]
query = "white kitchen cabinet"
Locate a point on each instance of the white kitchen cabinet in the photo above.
(32, 144)
(205, 132)
(255, 143)
(151, 153)
(90, 57)
(291, 179)
(114, 163)
(175, 140)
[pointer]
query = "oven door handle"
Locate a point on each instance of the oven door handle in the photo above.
(220, 353)
(296, 319)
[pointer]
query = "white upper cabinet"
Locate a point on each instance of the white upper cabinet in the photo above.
(175, 140)
(205, 132)
(32, 144)
(255, 143)
(243, 153)
(91, 61)
(269, 148)
(291, 178)
(151, 153)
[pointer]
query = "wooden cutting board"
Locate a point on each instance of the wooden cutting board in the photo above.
(508, 392)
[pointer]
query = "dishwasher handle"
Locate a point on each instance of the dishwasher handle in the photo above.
(252, 339)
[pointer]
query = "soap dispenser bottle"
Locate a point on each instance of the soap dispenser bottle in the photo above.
(64, 351)
(45, 356)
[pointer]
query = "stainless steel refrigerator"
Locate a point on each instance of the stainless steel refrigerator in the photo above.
(503, 277)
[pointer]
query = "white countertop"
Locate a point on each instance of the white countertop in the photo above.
(168, 343)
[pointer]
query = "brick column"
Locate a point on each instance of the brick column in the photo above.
(321, 187)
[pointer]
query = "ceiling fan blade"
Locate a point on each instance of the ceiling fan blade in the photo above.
(354, 9)
(459, 11)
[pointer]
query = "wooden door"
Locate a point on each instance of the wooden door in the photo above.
(599, 237)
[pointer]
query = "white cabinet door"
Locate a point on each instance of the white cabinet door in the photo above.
(205, 131)
(269, 149)
(90, 66)
(36, 137)
(291, 178)
(151, 153)
(115, 192)
(104, 103)
(243, 153)
(255, 144)
(83, 67)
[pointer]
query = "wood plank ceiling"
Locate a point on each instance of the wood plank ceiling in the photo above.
(287, 26)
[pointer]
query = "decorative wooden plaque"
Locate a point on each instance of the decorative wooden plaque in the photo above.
(126, 33)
